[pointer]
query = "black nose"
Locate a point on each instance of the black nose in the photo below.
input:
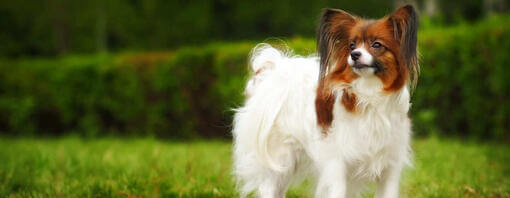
(355, 55)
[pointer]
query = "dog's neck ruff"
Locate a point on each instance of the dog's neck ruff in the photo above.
(370, 94)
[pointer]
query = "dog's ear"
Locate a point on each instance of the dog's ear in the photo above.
(332, 38)
(332, 35)
(405, 30)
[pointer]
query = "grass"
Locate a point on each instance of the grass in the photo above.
(74, 167)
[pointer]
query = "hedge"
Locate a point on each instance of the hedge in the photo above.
(464, 87)
(190, 92)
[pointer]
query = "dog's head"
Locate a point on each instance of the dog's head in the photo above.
(351, 47)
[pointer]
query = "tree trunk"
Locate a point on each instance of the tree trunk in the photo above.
(60, 25)
(430, 7)
(101, 40)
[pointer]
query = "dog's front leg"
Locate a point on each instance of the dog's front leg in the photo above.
(387, 186)
(332, 180)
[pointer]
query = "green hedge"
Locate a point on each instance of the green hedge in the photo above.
(463, 89)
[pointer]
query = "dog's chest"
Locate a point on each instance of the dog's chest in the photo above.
(370, 140)
(370, 134)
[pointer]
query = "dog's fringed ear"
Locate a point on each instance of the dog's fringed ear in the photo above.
(405, 29)
(332, 35)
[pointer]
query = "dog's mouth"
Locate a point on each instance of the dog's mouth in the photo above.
(362, 66)
(377, 67)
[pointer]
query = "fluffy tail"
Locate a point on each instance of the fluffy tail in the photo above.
(267, 92)
(263, 60)
(264, 56)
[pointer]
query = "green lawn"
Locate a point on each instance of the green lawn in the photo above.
(74, 167)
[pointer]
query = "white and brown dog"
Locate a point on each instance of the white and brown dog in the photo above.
(340, 117)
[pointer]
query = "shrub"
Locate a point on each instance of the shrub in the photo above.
(464, 88)
(190, 92)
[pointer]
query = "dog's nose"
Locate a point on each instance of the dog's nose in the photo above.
(355, 55)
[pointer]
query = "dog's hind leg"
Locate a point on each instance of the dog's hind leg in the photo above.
(332, 180)
(253, 176)
(274, 186)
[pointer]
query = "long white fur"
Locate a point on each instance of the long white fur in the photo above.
(277, 138)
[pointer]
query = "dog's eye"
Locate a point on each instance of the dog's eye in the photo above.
(352, 46)
(376, 45)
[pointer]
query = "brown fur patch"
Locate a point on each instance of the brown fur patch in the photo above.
(349, 101)
(342, 73)
(259, 71)
(395, 75)
(324, 103)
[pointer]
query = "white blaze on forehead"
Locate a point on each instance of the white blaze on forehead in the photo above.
(366, 58)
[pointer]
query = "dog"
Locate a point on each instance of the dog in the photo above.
(340, 117)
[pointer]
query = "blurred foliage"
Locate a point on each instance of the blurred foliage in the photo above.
(169, 94)
(463, 89)
(51, 27)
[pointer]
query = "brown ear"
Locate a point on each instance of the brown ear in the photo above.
(405, 29)
(333, 32)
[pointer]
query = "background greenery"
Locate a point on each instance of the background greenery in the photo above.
(51, 27)
(119, 98)
(189, 92)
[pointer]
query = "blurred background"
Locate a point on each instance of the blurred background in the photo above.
(134, 98)
(176, 69)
